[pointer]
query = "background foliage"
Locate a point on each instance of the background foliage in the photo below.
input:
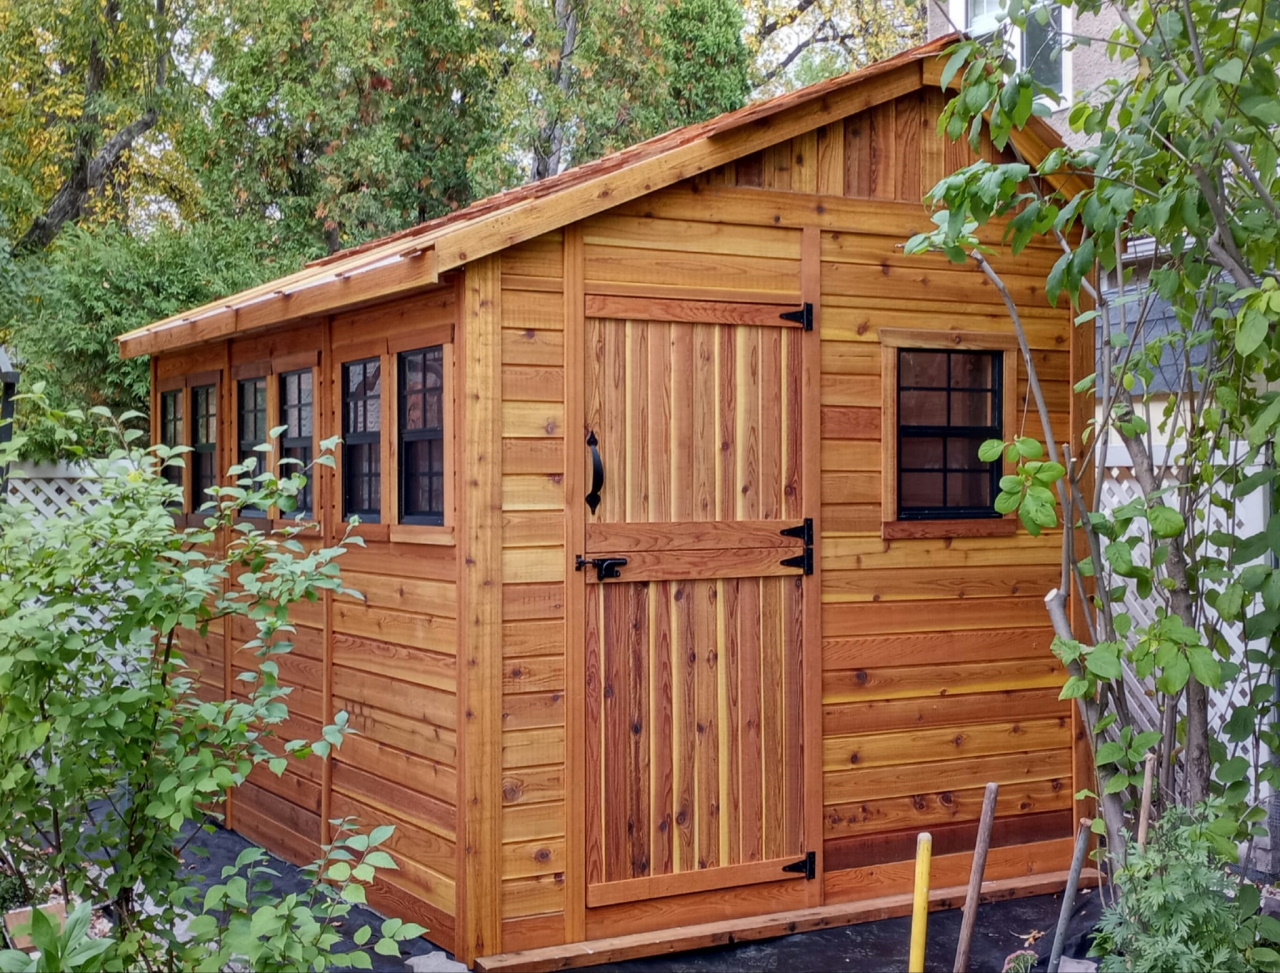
(157, 154)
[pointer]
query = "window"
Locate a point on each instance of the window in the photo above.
(171, 433)
(252, 413)
(204, 455)
(362, 439)
(296, 411)
(421, 421)
(949, 402)
(1038, 48)
(253, 417)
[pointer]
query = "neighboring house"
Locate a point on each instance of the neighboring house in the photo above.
(685, 602)
(1055, 64)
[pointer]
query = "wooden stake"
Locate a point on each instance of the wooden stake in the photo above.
(920, 907)
(1069, 892)
(975, 877)
(1144, 816)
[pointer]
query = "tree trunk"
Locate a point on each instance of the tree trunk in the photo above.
(549, 151)
(89, 173)
(1199, 764)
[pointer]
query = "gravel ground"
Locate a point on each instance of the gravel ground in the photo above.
(870, 946)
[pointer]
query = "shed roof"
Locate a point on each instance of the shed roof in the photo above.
(415, 258)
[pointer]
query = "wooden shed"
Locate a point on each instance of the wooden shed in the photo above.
(685, 602)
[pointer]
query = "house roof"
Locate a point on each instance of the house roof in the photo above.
(415, 258)
(1150, 320)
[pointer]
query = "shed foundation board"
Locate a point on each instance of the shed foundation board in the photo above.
(620, 948)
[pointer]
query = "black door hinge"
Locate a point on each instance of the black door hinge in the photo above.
(606, 567)
(802, 316)
(803, 561)
(806, 866)
(803, 531)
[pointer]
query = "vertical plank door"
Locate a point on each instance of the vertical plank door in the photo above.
(694, 575)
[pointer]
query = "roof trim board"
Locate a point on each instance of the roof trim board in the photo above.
(413, 259)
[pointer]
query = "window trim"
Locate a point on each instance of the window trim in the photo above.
(378, 439)
(892, 340)
(404, 436)
(397, 530)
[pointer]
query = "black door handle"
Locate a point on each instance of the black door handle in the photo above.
(597, 472)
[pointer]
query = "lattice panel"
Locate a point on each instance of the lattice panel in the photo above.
(52, 494)
(1119, 488)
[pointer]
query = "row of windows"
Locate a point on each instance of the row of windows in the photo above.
(948, 403)
(421, 472)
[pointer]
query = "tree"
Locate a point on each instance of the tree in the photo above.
(798, 43)
(1184, 155)
(578, 78)
(83, 83)
(338, 121)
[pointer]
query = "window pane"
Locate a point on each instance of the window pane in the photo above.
(962, 454)
(971, 408)
(920, 490)
(971, 371)
(922, 368)
(969, 489)
(922, 408)
(1042, 46)
(921, 453)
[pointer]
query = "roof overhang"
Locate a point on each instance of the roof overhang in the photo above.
(414, 259)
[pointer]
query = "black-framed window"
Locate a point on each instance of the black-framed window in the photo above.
(171, 432)
(297, 412)
(421, 453)
(949, 402)
(251, 409)
(204, 444)
(362, 439)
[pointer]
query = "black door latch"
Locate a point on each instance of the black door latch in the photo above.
(606, 567)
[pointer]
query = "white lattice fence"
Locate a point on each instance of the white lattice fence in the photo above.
(52, 490)
(1118, 488)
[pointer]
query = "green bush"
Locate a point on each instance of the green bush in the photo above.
(1180, 908)
(106, 750)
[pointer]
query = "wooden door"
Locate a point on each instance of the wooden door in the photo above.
(694, 653)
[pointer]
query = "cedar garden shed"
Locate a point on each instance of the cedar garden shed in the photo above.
(685, 600)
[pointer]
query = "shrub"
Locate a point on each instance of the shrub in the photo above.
(1180, 908)
(106, 750)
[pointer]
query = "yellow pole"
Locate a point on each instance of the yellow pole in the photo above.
(920, 909)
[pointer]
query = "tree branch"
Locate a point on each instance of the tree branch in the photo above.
(68, 203)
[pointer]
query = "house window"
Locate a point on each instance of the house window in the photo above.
(296, 415)
(204, 455)
(1037, 49)
(948, 403)
(421, 447)
(171, 434)
(362, 439)
(252, 413)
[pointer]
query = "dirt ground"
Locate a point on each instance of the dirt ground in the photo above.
(1002, 928)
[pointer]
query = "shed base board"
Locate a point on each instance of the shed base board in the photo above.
(681, 938)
